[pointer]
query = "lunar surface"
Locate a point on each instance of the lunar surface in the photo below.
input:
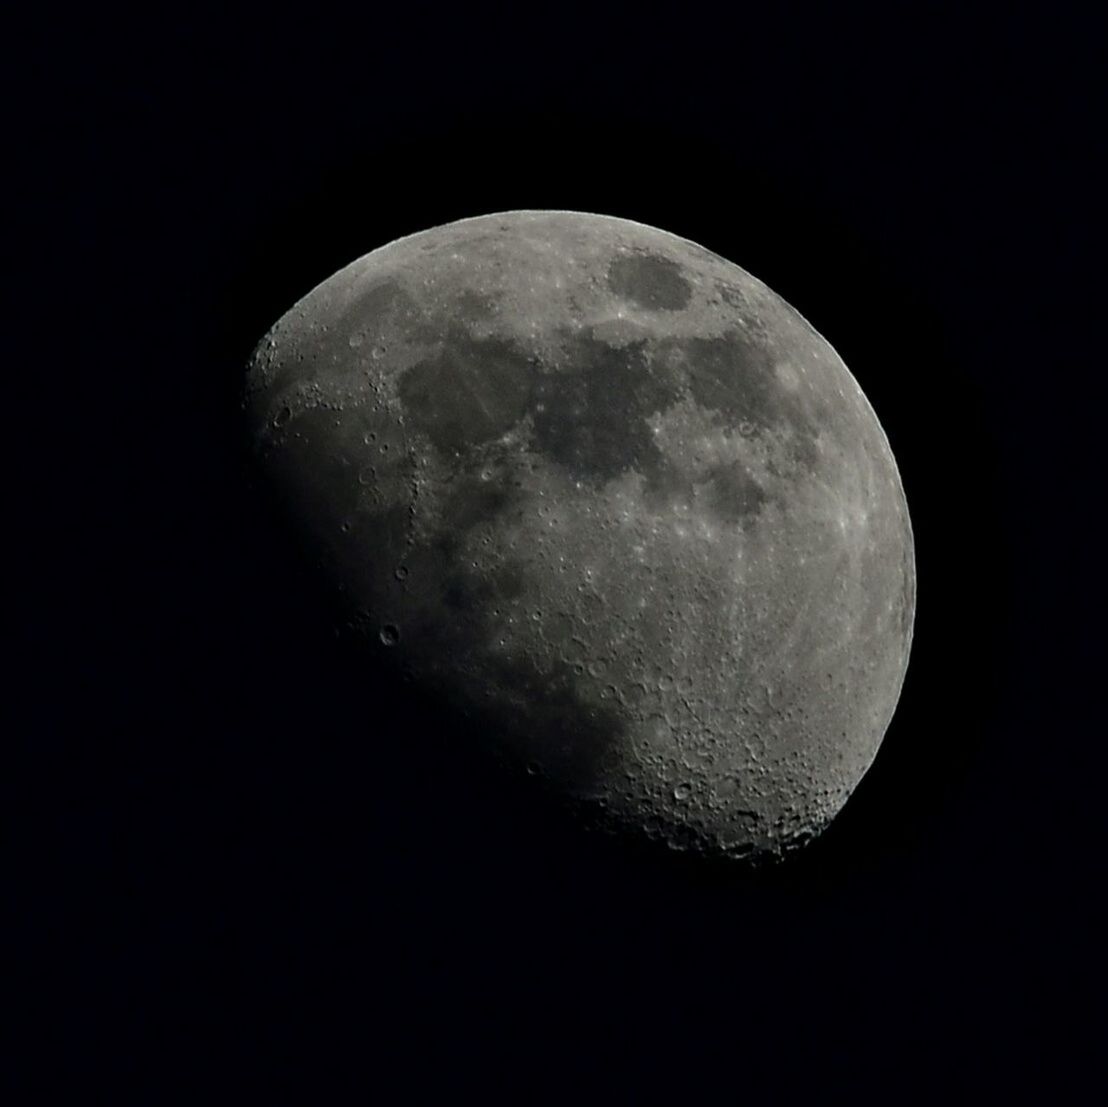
(605, 493)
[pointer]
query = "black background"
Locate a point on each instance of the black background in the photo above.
(246, 867)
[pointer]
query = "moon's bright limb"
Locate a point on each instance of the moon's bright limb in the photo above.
(604, 489)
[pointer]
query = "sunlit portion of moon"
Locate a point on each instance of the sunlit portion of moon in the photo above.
(606, 492)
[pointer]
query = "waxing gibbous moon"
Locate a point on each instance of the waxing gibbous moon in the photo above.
(605, 492)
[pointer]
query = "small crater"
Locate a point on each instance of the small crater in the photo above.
(390, 635)
(731, 294)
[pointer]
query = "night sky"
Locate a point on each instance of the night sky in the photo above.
(243, 865)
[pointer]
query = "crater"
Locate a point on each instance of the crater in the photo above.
(731, 294)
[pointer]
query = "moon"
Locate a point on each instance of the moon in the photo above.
(604, 491)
